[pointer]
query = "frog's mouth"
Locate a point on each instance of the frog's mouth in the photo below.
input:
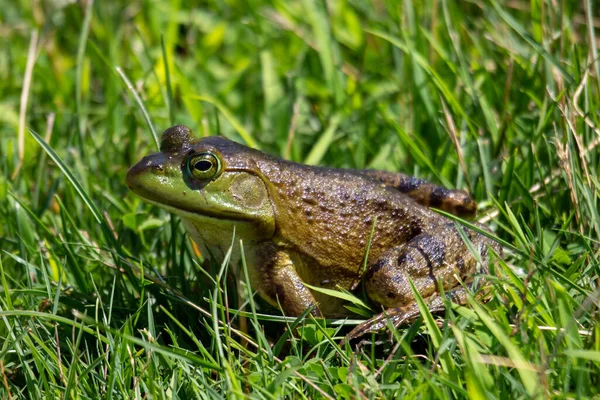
(187, 213)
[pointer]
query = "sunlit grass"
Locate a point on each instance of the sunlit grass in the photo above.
(102, 295)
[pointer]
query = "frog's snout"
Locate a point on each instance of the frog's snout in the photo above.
(145, 172)
(132, 177)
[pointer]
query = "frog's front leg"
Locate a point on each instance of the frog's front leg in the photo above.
(279, 283)
(439, 256)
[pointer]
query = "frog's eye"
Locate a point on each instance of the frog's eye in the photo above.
(203, 166)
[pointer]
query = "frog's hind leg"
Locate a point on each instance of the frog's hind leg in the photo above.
(436, 259)
(430, 260)
(453, 201)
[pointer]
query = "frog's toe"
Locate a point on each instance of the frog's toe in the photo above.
(396, 316)
(374, 324)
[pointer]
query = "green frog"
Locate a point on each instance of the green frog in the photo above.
(303, 224)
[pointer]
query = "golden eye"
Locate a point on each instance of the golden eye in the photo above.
(203, 166)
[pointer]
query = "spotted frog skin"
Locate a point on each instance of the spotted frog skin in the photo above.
(302, 224)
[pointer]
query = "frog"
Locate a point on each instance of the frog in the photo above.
(303, 227)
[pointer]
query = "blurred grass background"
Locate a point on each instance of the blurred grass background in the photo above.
(497, 97)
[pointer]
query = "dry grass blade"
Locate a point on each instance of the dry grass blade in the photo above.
(31, 56)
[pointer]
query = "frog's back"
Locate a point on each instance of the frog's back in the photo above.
(329, 213)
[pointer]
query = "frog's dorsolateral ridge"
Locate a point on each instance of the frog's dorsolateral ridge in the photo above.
(303, 224)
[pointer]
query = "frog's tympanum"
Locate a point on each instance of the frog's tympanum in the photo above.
(312, 225)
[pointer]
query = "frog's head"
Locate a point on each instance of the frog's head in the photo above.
(211, 177)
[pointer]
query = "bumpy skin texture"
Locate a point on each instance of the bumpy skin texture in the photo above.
(303, 224)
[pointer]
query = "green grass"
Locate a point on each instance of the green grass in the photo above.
(104, 296)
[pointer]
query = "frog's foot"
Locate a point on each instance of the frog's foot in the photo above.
(408, 314)
(397, 317)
